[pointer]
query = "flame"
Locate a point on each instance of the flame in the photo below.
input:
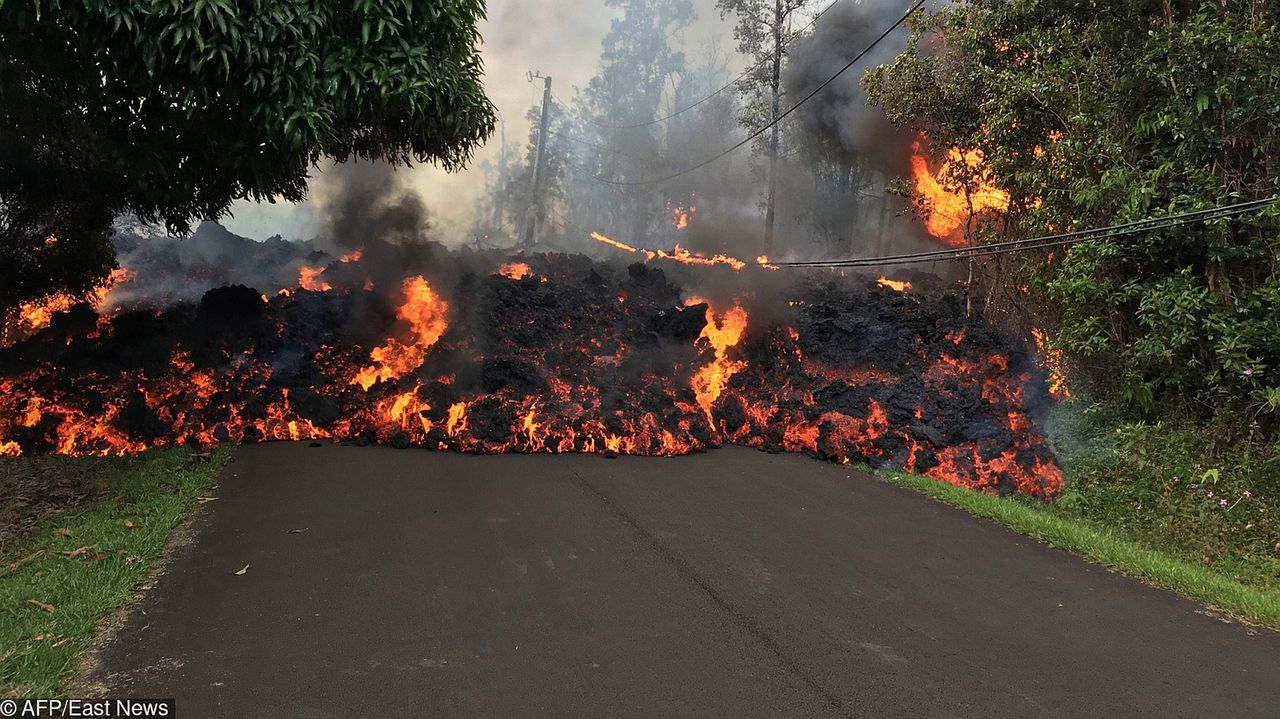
(947, 208)
(515, 270)
(710, 381)
(37, 314)
(683, 256)
(681, 215)
(529, 427)
(622, 245)
(895, 285)
(457, 421)
(1053, 362)
(425, 312)
(352, 256)
(309, 279)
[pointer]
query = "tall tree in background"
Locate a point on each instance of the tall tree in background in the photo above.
(172, 110)
(638, 67)
(763, 29)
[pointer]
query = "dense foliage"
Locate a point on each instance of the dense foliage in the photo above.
(172, 110)
(1094, 113)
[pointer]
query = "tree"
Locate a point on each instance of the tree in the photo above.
(763, 30)
(637, 69)
(1092, 114)
(172, 110)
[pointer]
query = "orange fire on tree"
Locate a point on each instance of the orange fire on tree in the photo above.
(948, 209)
(680, 216)
(31, 317)
(309, 279)
(1053, 362)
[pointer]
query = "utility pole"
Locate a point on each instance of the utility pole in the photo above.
(780, 14)
(535, 202)
(502, 173)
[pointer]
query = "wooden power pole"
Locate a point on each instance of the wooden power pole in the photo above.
(535, 201)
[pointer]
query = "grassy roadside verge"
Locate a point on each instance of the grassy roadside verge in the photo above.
(74, 567)
(1042, 522)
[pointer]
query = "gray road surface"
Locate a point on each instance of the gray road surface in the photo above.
(387, 583)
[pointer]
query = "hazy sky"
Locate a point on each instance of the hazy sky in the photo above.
(560, 38)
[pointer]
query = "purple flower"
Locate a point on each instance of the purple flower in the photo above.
(1247, 493)
(1222, 502)
(1248, 373)
(1210, 494)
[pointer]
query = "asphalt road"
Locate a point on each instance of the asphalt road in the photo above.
(387, 583)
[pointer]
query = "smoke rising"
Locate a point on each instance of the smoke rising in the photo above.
(838, 153)
(839, 115)
(362, 202)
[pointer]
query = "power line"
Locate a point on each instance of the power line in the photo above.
(1047, 241)
(719, 90)
(634, 183)
(1124, 229)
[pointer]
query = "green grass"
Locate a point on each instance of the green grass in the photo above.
(1257, 605)
(136, 504)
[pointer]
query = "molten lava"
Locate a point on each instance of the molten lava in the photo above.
(596, 358)
(948, 208)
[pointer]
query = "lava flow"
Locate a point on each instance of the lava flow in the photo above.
(548, 353)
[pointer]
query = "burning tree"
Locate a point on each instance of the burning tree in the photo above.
(173, 110)
(1092, 115)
